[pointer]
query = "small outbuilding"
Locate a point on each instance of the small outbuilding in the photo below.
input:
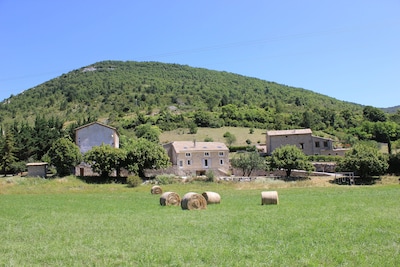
(37, 169)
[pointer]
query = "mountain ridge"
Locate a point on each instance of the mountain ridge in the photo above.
(121, 89)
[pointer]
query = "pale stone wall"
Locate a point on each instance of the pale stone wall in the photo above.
(302, 141)
(95, 135)
(194, 158)
(201, 161)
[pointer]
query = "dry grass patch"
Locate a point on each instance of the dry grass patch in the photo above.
(216, 134)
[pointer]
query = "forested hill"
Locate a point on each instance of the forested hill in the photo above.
(129, 93)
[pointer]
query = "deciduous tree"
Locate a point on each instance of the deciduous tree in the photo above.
(142, 154)
(64, 155)
(149, 132)
(290, 157)
(104, 159)
(230, 138)
(248, 162)
(365, 160)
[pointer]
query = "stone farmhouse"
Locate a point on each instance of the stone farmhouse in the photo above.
(303, 139)
(90, 135)
(196, 158)
(95, 134)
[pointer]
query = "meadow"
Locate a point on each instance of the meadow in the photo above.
(66, 222)
(216, 134)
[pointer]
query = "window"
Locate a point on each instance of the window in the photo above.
(221, 162)
(206, 163)
(325, 143)
(188, 154)
(302, 145)
(189, 162)
(317, 144)
(181, 163)
(206, 154)
(221, 153)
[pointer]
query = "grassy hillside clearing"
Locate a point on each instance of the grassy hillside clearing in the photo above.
(65, 222)
(216, 134)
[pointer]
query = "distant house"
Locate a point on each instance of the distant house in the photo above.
(37, 169)
(303, 139)
(90, 135)
(196, 158)
(95, 134)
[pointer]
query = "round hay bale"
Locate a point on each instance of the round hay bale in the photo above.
(170, 199)
(156, 190)
(269, 197)
(193, 201)
(212, 197)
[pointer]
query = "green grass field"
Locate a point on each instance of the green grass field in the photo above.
(65, 222)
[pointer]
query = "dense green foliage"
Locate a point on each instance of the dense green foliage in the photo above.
(7, 150)
(146, 131)
(143, 154)
(105, 159)
(290, 157)
(364, 160)
(127, 92)
(248, 162)
(64, 155)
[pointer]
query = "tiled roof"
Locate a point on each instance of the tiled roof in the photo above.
(289, 132)
(182, 146)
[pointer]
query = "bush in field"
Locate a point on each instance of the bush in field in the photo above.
(210, 176)
(230, 138)
(166, 179)
(192, 128)
(133, 181)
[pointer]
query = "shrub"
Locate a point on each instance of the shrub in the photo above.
(166, 179)
(192, 128)
(210, 176)
(133, 181)
(242, 148)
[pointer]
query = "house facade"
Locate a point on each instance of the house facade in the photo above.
(95, 134)
(303, 139)
(90, 135)
(190, 158)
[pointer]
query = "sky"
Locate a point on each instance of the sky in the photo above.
(349, 50)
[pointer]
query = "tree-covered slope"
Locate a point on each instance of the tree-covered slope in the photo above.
(122, 90)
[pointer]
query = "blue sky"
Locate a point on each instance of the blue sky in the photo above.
(349, 50)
